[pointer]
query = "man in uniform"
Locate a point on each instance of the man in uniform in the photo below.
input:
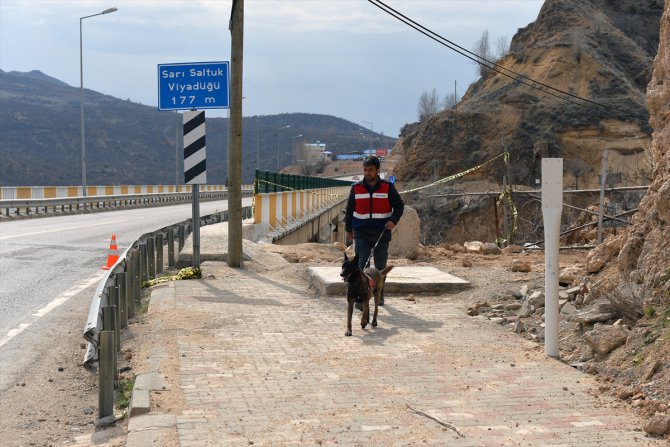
(373, 210)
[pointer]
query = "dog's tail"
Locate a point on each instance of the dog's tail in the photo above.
(386, 271)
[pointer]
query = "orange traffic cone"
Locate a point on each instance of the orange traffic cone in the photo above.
(113, 254)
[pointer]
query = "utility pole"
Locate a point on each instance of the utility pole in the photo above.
(601, 204)
(235, 137)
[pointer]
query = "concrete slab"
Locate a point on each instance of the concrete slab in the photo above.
(152, 421)
(400, 280)
(140, 402)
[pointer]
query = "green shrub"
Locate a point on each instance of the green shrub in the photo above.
(650, 311)
(124, 392)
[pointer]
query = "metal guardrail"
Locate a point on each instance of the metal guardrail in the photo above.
(118, 293)
(18, 207)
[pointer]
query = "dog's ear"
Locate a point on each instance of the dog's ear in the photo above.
(386, 270)
(355, 260)
(345, 256)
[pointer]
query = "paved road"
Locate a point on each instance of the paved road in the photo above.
(47, 261)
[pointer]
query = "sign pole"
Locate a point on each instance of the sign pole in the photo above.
(196, 225)
(235, 137)
(552, 207)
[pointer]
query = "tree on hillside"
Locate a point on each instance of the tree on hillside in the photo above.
(482, 49)
(429, 104)
(502, 47)
(449, 102)
(578, 168)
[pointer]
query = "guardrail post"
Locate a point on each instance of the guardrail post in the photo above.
(170, 247)
(181, 233)
(108, 325)
(106, 356)
(113, 299)
(151, 258)
(122, 283)
(130, 282)
(143, 263)
(137, 283)
(159, 253)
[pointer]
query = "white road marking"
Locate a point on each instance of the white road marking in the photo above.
(51, 306)
(54, 230)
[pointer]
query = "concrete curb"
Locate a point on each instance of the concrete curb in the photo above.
(140, 402)
(145, 428)
(150, 429)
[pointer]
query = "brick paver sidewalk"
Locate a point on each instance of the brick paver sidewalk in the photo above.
(266, 364)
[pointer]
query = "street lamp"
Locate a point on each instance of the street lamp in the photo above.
(293, 138)
(280, 128)
(257, 145)
(372, 129)
(81, 96)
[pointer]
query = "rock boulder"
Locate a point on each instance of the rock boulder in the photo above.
(489, 248)
(406, 236)
(658, 425)
(604, 339)
(521, 266)
(602, 254)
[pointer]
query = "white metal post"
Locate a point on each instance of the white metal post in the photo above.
(552, 207)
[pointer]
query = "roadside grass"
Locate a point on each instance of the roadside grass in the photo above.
(124, 392)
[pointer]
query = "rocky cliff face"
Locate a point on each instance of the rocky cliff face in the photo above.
(601, 50)
(645, 254)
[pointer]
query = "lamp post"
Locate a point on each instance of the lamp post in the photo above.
(257, 145)
(293, 138)
(81, 96)
(372, 129)
(280, 128)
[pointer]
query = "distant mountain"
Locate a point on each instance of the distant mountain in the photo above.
(130, 143)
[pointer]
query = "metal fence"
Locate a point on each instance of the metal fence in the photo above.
(266, 181)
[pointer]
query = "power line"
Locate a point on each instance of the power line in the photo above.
(525, 80)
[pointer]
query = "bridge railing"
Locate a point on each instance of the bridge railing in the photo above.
(266, 181)
(283, 200)
(25, 200)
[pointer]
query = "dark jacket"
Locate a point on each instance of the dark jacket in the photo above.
(371, 228)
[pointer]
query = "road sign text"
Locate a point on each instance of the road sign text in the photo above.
(184, 86)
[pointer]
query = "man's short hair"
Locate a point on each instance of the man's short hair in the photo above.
(372, 160)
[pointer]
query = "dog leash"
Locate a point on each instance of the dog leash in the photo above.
(372, 252)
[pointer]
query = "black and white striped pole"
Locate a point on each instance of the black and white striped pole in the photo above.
(195, 172)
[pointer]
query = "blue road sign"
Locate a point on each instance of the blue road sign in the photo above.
(391, 179)
(193, 85)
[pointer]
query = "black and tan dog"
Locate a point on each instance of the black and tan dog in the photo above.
(363, 285)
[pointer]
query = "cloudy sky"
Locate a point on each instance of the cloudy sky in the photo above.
(338, 57)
